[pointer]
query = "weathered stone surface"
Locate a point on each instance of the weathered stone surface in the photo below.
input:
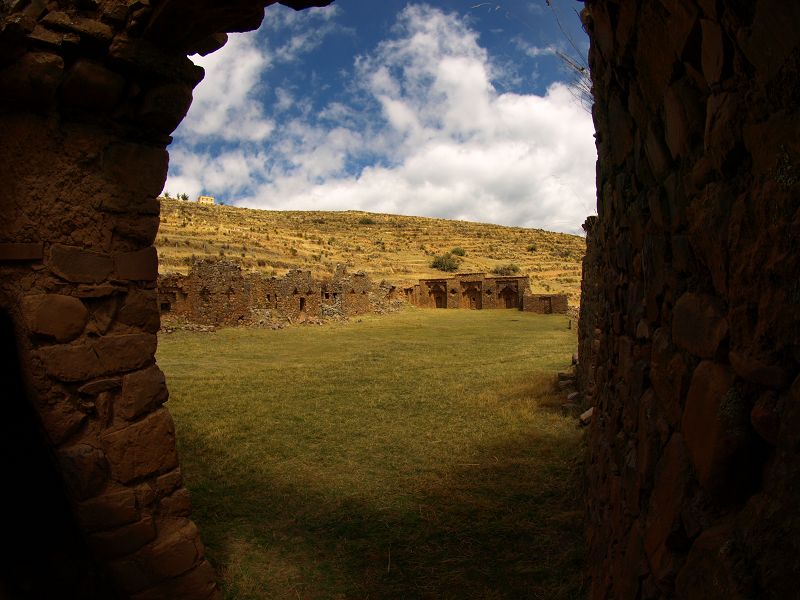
(765, 417)
(666, 503)
(176, 551)
(141, 265)
(92, 86)
(713, 51)
(61, 420)
(137, 167)
(71, 362)
(78, 265)
(125, 540)
(714, 423)
(28, 251)
(757, 371)
(101, 385)
(165, 106)
(169, 482)
(698, 325)
(143, 448)
(140, 309)
(709, 569)
(113, 509)
(178, 504)
(197, 584)
(142, 391)
(33, 79)
(53, 315)
(118, 353)
(84, 468)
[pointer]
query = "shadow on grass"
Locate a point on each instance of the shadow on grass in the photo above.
(507, 526)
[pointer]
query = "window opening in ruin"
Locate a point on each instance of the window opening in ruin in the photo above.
(302, 304)
(47, 556)
(205, 295)
(327, 296)
(165, 307)
(295, 291)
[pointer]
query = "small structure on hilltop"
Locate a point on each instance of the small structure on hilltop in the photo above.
(206, 200)
(217, 292)
(478, 291)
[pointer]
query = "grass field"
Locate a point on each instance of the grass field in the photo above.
(414, 455)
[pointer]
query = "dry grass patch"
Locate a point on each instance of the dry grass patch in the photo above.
(406, 456)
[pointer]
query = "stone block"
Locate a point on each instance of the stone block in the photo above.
(118, 353)
(32, 80)
(141, 265)
(176, 550)
(715, 423)
(61, 420)
(125, 540)
(197, 584)
(177, 504)
(113, 509)
(168, 482)
(765, 417)
(78, 265)
(93, 388)
(165, 106)
(698, 325)
(709, 569)
(137, 168)
(71, 362)
(712, 51)
(757, 371)
(84, 469)
(666, 503)
(92, 86)
(140, 309)
(53, 315)
(26, 251)
(143, 448)
(142, 391)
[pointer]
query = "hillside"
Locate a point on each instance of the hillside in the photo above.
(396, 248)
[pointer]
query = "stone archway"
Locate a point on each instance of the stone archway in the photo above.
(689, 292)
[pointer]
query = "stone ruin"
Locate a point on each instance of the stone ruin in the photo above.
(219, 293)
(477, 291)
(690, 317)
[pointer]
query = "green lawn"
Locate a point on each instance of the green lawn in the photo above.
(413, 455)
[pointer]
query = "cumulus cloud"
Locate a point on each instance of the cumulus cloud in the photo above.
(425, 132)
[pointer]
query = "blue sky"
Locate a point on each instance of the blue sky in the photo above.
(454, 109)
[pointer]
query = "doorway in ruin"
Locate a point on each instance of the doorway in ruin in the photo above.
(508, 297)
(471, 296)
(546, 305)
(46, 553)
(302, 304)
(439, 294)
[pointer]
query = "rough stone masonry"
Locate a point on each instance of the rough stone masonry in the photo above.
(691, 305)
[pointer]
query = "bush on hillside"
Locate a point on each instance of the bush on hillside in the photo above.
(458, 251)
(446, 262)
(366, 221)
(532, 247)
(509, 269)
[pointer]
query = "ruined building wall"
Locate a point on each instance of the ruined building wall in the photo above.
(89, 94)
(690, 328)
(477, 291)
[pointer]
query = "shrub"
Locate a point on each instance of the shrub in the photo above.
(509, 269)
(458, 251)
(446, 262)
(532, 247)
(366, 221)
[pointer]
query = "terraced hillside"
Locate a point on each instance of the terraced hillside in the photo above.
(396, 248)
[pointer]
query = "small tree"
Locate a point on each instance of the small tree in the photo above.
(184, 197)
(166, 194)
(446, 262)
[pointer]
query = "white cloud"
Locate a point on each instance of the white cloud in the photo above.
(427, 132)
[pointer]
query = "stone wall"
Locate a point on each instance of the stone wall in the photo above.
(477, 291)
(89, 95)
(218, 293)
(690, 323)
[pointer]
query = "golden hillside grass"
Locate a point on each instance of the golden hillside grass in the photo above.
(396, 248)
